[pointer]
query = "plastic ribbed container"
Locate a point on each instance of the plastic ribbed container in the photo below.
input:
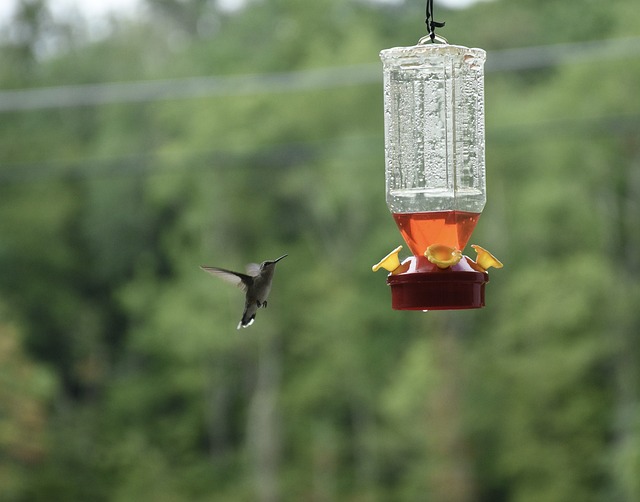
(434, 142)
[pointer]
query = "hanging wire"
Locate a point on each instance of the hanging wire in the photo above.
(431, 24)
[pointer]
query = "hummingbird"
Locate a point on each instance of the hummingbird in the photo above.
(256, 284)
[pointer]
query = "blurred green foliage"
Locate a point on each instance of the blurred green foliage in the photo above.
(122, 375)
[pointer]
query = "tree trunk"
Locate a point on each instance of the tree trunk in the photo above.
(450, 476)
(264, 437)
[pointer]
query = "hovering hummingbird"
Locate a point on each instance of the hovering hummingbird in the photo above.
(256, 284)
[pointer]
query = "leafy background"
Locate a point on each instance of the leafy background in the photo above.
(122, 376)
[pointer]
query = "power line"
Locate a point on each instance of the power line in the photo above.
(272, 156)
(71, 96)
(542, 56)
(294, 154)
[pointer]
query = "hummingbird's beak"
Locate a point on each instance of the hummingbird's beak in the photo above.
(278, 259)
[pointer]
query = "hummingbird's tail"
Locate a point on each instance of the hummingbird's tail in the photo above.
(248, 316)
(244, 323)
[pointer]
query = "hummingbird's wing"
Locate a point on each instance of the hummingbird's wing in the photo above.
(243, 281)
(253, 269)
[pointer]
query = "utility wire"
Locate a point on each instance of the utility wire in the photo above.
(71, 96)
(281, 155)
(542, 56)
(293, 155)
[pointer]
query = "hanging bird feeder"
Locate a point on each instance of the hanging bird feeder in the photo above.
(435, 172)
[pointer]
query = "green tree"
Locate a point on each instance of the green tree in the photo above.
(106, 212)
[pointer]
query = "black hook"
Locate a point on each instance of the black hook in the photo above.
(431, 24)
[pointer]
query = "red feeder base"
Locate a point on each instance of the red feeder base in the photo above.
(424, 286)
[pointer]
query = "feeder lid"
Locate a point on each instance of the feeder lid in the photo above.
(424, 55)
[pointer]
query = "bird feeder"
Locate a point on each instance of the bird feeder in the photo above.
(435, 173)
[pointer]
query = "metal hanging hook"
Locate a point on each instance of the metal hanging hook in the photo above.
(432, 25)
(432, 39)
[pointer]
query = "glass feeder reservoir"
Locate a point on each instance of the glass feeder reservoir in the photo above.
(435, 173)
